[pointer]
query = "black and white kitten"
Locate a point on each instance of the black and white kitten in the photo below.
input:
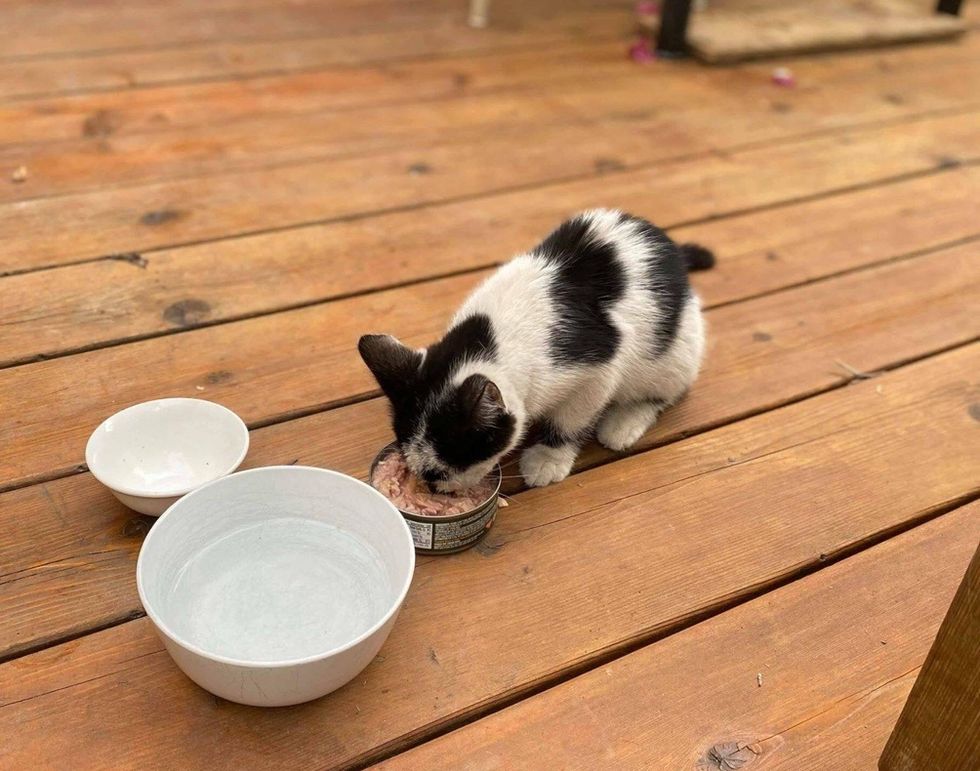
(595, 328)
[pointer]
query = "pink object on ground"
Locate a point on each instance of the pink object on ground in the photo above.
(642, 51)
(783, 76)
(393, 479)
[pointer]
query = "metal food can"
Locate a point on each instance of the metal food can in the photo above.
(434, 534)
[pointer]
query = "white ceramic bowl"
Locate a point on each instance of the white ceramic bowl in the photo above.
(152, 453)
(277, 585)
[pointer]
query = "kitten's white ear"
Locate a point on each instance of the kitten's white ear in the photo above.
(481, 399)
(393, 365)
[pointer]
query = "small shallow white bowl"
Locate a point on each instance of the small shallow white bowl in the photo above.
(277, 585)
(150, 454)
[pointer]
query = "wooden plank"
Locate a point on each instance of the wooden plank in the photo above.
(76, 28)
(83, 164)
(684, 109)
(101, 163)
(921, 79)
(79, 306)
(762, 353)
(225, 59)
(171, 107)
(853, 729)
(104, 157)
(554, 571)
(785, 28)
(87, 225)
(774, 248)
(827, 89)
(694, 699)
(940, 724)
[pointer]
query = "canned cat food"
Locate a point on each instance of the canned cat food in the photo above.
(442, 523)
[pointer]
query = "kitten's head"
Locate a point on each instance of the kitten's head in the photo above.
(451, 433)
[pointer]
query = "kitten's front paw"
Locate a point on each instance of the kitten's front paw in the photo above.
(542, 465)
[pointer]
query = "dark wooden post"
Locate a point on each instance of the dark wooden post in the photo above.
(672, 40)
(939, 728)
(951, 7)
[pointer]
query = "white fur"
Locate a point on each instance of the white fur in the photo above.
(631, 389)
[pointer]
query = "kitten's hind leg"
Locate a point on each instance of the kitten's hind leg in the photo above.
(623, 424)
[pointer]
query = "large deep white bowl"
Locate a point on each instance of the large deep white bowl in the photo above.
(150, 454)
(277, 585)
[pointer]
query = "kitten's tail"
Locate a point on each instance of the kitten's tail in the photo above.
(697, 257)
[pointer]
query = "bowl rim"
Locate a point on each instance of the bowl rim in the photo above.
(220, 472)
(217, 657)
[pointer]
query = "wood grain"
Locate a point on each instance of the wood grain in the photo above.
(86, 225)
(66, 28)
(73, 307)
(168, 108)
(922, 78)
(694, 699)
(98, 163)
(101, 163)
(851, 730)
(233, 60)
(559, 587)
(761, 354)
(940, 724)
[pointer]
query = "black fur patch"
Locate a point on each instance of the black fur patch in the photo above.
(552, 436)
(668, 282)
(589, 281)
(470, 340)
(459, 440)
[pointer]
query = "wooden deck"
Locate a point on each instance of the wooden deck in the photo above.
(221, 197)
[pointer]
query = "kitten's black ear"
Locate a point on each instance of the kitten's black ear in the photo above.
(481, 400)
(393, 365)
